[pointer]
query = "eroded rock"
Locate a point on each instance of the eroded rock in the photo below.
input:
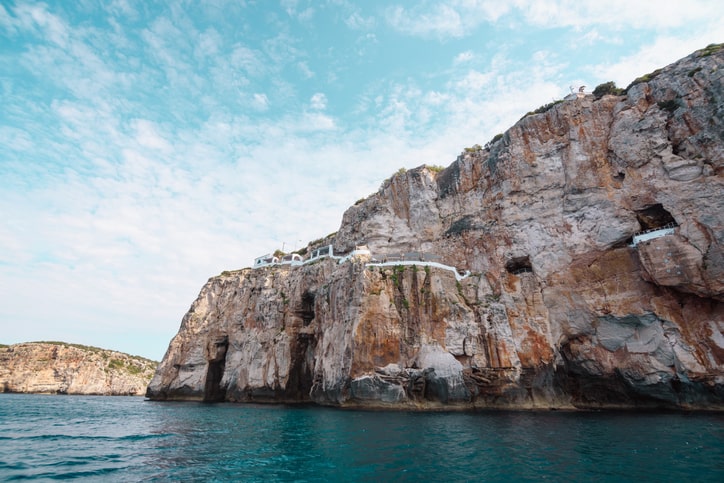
(560, 308)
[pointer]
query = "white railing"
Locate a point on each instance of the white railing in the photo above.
(390, 260)
(653, 233)
(454, 270)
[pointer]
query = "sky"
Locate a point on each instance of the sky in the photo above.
(147, 146)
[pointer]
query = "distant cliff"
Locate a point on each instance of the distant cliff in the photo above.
(60, 368)
(566, 301)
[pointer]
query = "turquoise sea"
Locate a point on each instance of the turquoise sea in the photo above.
(130, 439)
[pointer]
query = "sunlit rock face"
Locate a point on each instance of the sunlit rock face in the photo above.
(60, 368)
(561, 309)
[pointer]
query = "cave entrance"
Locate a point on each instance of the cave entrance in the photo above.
(518, 265)
(213, 392)
(654, 217)
(306, 308)
(301, 370)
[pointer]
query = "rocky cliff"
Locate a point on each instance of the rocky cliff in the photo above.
(60, 368)
(564, 303)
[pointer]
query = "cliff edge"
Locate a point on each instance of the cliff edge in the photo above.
(573, 262)
(61, 368)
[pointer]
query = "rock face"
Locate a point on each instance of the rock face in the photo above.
(59, 368)
(563, 306)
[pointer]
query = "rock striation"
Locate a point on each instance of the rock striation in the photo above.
(60, 368)
(563, 306)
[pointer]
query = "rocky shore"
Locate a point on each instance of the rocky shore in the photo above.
(61, 368)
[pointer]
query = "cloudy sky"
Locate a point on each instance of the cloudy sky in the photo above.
(147, 146)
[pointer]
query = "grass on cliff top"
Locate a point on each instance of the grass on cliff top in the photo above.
(543, 108)
(710, 49)
(705, 52)
(91, 348)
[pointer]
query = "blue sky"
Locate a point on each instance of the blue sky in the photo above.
(147, 146)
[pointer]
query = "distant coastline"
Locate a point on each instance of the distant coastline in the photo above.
(53, 367)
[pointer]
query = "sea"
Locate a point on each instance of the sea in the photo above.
(96, 438)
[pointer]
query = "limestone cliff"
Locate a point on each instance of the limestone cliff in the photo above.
(564, 303)
(60, 368)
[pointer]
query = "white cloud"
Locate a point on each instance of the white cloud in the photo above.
(451, 18)
(661, 52)
(463, 57)
(6, 21)
(55, 30)
(147, 135)
(318, 101)
(459, 18)
(440, 20)
(619, 14)
(260, 101)
(317, 122)
(307, 73)
(357, 22)
(474, 81)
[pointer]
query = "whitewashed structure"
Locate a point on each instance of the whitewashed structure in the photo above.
(651, 234)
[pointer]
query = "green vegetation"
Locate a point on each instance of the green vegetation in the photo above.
(644, 78)
(386, 182)
(607, 88)
(3, 346)
(97, 350)
(474, 149)
(710, 49)
(77, 346)
(543, 108)
(693, 72)
(278, 253)
(435, 168)
(495, 139)
(135, 370)
(397, 272)
(116, 364)
(405, 303)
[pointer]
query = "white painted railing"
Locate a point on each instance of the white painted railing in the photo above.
(651, 234)
(454, 270)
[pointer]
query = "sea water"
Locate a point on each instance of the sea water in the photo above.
(130, 439)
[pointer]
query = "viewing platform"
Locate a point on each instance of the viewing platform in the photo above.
(653, 233)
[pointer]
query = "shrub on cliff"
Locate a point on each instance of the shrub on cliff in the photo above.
(607, 88)
(543, 108)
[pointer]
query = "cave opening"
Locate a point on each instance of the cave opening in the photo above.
(518, 265)
(301, 370)
(213, 391)
(654, 217)
(306, 307)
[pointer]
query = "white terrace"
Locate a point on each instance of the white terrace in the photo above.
(389, 260)
(654, 233)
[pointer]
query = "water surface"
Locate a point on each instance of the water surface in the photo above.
(129, 439)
